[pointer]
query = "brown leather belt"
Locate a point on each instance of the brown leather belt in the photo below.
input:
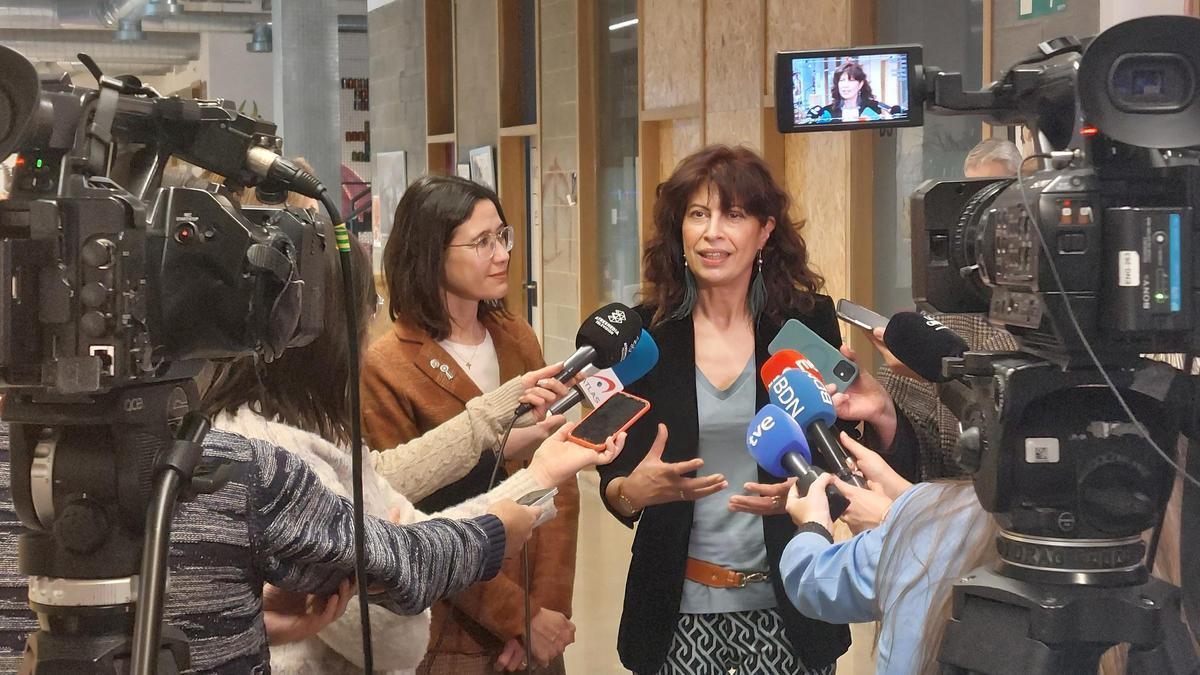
(711, 574)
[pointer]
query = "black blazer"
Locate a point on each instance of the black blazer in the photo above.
(660, 547)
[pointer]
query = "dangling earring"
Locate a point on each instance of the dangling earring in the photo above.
(689, 293)
(757, 299)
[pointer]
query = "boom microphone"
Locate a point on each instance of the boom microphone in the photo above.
(602, 384)
(606, 337)
(777, 443)
(921, 343)
(804, 397)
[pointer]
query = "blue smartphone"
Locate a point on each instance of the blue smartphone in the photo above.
(833, 367)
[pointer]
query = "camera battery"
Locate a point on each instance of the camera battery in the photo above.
(1148, 251)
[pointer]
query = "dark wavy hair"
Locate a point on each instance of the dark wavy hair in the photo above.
(307, 387)
(851, 69)
(744, 180)
(414, 258)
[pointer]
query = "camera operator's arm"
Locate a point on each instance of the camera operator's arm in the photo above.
(447, 452)
(304, 540)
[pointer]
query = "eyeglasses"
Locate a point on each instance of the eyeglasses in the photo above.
(485, 245)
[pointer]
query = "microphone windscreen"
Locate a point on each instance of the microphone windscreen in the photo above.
(639, 362)
(802, 396)
(783, 360)
(921, 343)
(612, 331)
(772, 434)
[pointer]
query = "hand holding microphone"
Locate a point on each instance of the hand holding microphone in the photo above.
(600, 384)
(804, 398)
(606, 337)
(777, 443)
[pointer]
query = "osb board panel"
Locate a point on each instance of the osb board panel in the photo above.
(817, 176)
(733, 40)
(806, 24)
(676, 139)
(735, 127)
(673, 58)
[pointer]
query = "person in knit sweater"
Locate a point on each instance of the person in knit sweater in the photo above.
(300, 408)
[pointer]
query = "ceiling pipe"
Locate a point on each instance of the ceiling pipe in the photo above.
(101, 14)
(63, 45)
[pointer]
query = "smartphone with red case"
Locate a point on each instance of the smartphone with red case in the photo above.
(613, 416)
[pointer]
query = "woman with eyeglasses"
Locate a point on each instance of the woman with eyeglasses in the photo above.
(446, 270)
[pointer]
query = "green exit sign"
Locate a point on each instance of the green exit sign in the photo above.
(1029, 9)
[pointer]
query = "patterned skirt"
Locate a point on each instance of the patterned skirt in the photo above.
(734, 643)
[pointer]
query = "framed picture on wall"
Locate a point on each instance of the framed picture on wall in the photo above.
(483, 166)
(463, 170)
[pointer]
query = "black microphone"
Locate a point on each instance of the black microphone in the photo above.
(921, 343)
(604, 340)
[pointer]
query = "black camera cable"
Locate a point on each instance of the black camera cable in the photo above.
(272, 167)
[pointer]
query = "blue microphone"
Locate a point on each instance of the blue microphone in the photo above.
(803, 396)
(603, 384)
(777, 443)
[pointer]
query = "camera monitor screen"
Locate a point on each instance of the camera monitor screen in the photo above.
(851, 88)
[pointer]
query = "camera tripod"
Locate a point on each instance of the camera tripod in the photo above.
(1003, 625)
(1073, 485)
(95, 482)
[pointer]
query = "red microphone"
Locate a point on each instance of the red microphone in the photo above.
(786, 359)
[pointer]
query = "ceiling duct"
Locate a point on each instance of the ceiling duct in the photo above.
(162, 16)
(63, 45)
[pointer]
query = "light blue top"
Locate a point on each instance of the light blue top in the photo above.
(890, 573)
(731, 540)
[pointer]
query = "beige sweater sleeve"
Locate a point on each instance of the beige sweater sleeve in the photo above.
(446, 453)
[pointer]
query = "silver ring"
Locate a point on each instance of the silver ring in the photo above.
(682, 496)
(775, 502)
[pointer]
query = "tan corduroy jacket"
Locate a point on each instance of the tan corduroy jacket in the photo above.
(405, 393)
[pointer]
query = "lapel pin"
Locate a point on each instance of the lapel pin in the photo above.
(435, 364)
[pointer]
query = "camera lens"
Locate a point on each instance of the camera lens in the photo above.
(844, 370)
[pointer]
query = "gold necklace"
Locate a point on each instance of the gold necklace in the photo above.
(466, 360)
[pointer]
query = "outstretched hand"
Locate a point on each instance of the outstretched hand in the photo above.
(657, 482)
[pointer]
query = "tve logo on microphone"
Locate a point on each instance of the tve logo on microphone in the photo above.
(765, 424)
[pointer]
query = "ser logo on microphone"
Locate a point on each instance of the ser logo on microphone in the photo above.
(766, 424)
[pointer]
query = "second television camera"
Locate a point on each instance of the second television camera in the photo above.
(117, 292)
(1090, 262)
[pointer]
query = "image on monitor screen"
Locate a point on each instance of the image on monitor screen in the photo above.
(850, 89)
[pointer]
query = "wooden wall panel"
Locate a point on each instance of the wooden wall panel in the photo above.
(817, 176)
(673, 53)
(811, 24)
(687, 137)
(735, 127)
(733, 80)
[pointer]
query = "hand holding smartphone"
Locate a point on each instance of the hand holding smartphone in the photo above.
(613, 416)
(542, 500)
